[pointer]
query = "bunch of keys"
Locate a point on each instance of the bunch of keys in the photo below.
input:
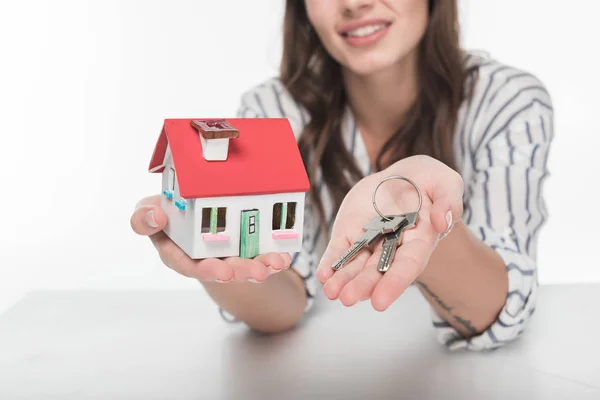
(390, 227)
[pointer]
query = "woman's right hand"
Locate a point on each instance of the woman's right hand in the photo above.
(149, 220)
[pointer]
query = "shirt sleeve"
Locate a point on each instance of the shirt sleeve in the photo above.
(269, 101)
(505, 208)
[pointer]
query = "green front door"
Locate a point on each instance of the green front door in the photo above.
(249, 234)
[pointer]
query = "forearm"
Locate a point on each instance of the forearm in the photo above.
(272, 306)
(465, 281)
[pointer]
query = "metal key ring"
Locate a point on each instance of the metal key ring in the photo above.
(404, 179)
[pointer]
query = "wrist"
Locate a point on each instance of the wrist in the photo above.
(454, 246)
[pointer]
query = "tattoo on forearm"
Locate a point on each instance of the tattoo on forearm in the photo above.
(463, 322)
(467, 324)
(435, 297)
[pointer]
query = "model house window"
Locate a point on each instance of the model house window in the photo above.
(213, 219)
(284, 215)
(171, 179)
(170, 189)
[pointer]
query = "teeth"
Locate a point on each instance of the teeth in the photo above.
(365, 30)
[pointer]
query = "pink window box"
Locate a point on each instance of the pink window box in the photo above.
(215, 237)
(286, 234)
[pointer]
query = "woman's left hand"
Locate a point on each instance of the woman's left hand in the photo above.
(442, 192)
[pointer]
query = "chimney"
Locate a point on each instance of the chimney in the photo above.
(214, 136)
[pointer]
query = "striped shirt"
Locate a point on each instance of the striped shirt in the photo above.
(501, 145)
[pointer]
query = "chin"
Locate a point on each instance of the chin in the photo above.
(369, 64)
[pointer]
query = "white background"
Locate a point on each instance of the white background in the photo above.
(85, 85)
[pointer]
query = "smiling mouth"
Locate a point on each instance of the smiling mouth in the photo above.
(367, 30)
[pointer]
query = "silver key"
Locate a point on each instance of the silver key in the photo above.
(374, 229)
(392, 240)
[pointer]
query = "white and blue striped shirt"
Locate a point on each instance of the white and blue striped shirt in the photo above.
(502, 140)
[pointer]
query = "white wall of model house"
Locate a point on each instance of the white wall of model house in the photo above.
(185, 226)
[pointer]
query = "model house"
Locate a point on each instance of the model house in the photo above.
(232, 187)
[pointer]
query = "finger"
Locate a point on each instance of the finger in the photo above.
(213, 269)
(248, 269)
(210, 269)
(362, 286)
(443, 216)
(410, 260)
(332, 253)
(153, 200)
(338, 281)
(148, 220)
(287, 259)
(275, 262)
(447, 203)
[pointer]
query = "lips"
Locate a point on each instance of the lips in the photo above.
(364, 28)
(365, 33)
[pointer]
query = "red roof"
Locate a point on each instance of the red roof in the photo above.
(264, 159)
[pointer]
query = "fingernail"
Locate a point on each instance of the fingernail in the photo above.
(288, 259)
(253, 280)
(149, 217)
(220, 281)
(273, 271)
(449, 219)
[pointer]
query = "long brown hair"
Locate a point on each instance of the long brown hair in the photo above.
(314, 79)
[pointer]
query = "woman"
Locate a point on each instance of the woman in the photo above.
(374, 88)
